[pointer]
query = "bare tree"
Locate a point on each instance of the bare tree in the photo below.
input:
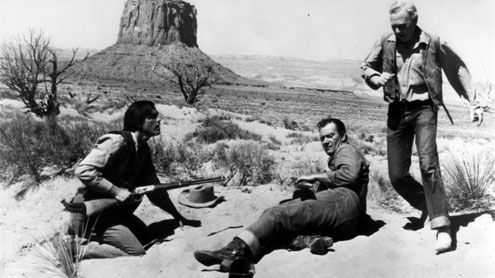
(31, 69)
(192, 79)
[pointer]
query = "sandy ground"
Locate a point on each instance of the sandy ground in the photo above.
(391, 251)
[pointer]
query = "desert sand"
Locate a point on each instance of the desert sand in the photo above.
(389, 251)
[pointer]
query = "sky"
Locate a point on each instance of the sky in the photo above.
(310, 29)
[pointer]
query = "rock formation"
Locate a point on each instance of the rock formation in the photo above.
(158, 22)
(152, 32)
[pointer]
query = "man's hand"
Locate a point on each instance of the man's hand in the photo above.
(189, 222)
(123, 195)
(476, 114)
(381, 80)
(306, 181)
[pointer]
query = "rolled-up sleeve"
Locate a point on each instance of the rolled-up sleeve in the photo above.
(372, 65)
(346, 168)
(89, 170)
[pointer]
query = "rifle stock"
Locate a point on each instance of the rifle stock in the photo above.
(98, 205)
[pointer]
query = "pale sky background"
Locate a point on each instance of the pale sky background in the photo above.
(310, 29)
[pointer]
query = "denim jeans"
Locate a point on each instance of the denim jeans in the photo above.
(403, 126)
(125, 232)
(335, 213)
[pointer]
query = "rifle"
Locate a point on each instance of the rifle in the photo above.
(92, 207)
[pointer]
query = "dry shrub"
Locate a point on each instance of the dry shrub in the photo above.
(248, 162)
(288, 174)
(180, 160)
(216, 128)
(290, 124)
(381, 192)
(470, 180)
(301, 139)
(369, 144)
(29, 147)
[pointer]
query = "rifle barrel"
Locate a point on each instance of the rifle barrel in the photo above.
(174, 185)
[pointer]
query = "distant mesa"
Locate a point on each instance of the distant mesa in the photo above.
(158, 22)
(152, 32)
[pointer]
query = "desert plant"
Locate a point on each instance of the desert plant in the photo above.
(30, 67)
(178, 159)
(214, 129)
(248, 162)
(470, 180)
(288, 174)
(382, 192)
(301, 139)
(290, 124)
(57, 255)
(28, 147)
(192, 78)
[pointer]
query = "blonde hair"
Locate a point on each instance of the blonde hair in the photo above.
(408, 7)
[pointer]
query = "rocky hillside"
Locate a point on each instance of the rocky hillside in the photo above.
(152, 32)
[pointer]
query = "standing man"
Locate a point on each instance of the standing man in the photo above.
(408, 64)
(119, 162)
(312, 221)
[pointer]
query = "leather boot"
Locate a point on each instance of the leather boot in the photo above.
(234, 250)
(317, 244)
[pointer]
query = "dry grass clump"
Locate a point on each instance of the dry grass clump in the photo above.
(289, 172)
(176, 159)
(298, 138)
(470, 180)
(369, 144)
(39, 150)
(290, 124)
(215, 128)
(247, 162)
(381, 192)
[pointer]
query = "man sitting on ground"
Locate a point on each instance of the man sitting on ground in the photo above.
(312, 220)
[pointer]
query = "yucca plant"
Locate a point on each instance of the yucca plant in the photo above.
(470, 180)
(54, 255)
(59, 255)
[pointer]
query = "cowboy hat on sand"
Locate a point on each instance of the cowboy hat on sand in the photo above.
(199, 197)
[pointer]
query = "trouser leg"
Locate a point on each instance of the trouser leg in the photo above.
(400, 137)
(334, 213)
(434, 191)
(128, 235)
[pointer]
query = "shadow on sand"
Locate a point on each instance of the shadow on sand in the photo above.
(159, 231)
(367, 227)
(463, 220)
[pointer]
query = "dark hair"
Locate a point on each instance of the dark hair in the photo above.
(136, 114)
(338, 123)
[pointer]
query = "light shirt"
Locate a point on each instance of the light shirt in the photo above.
(409, 62)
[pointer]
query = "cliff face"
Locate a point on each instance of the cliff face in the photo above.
(158, 22)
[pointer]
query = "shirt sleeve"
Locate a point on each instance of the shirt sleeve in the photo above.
(372, 65)
(346, 170)
(457, 73)
(89, 170)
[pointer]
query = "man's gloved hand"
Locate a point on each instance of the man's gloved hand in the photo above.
(476, 114)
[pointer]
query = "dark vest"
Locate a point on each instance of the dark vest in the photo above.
(432, 71)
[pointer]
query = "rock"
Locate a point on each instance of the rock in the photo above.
(158, 22)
